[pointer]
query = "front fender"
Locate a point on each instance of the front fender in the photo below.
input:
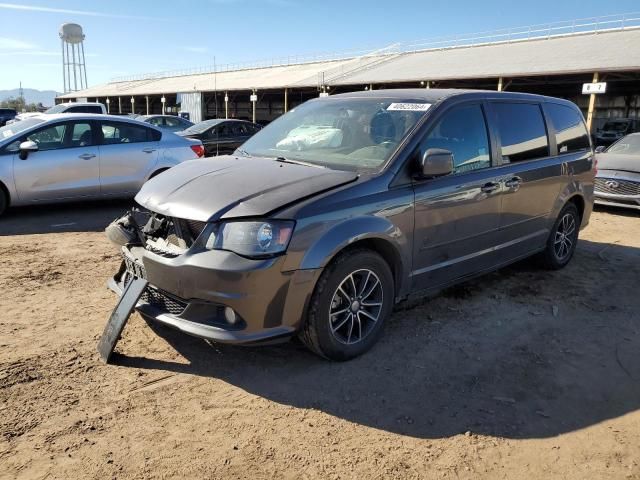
(391, 242)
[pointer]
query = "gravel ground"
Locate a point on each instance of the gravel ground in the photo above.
(523, 373)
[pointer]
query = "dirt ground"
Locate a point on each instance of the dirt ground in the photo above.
(520, 374)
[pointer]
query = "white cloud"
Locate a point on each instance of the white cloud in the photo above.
(88, 13)
(195, 49)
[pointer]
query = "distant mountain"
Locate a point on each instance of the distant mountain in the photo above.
(46, 97)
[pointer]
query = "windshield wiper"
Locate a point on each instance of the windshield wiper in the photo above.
(297, 162)
(242, 152)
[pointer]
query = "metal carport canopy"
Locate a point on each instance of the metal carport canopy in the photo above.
(301, 75)
(603, 51)
(591, 52)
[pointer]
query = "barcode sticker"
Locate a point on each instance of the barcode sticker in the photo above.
(410, 107)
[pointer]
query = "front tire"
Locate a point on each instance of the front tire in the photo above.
(563, 239)
(352, 300)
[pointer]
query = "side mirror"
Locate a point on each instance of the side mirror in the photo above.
(26, 147)
(600, 149)
(436, 162)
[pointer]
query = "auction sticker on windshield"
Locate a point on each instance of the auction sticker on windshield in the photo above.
(412, 107)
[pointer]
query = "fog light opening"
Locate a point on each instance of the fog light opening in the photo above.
(230, 315)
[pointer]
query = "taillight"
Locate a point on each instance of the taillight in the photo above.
(198, 150)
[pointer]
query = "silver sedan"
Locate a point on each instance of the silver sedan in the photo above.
(55, 158)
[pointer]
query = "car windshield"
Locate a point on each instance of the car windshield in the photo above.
(60, 108)
(629, 145)
(201, 127)
(15, 128)
(341, 133)
(615, 126)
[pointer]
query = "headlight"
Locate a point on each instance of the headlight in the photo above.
(251, 238)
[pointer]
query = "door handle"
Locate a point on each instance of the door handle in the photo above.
(149, 150)
(87, 156)
(490, 187)
(513, 183)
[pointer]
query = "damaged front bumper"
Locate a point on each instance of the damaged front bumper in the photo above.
(219, 295)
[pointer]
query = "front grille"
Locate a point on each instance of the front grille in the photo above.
(194, 227)
(617, 186)
(176, 237)
(163, 301)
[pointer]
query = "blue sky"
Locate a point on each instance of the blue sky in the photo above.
(125, 37)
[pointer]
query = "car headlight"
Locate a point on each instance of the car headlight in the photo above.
(251, 238)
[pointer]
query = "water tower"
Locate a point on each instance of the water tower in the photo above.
(74, 72)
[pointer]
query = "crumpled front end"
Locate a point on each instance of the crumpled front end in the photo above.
(212, 294)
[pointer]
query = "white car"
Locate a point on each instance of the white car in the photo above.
(61, 157)
(69, 107)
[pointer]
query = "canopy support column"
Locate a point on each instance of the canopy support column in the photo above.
(592, 104)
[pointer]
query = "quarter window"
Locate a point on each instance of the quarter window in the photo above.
(571, 132)
(463, 132)
(522, 132)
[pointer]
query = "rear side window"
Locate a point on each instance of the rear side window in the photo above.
(239, 129)
(81, 135)
(121, 132)
(522, 131)
(571, 132)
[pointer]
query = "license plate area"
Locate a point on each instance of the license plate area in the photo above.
(134, 267)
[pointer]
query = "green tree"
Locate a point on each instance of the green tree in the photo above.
(19, 105)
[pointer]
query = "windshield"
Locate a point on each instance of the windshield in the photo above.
(60, 108)
(342, 133)
(615, 126)
(15, 128)
(629, 145)
(201, 127)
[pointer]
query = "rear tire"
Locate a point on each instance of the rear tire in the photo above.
(352, 300)
(4, 201)
(562, 240)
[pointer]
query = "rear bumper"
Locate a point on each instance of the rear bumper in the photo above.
(190, 293)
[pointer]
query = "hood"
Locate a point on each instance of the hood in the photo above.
(227, 187)
(616, 161)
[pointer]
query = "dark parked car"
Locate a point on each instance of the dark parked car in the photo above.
(166, 122)
(7, 114)
(348, 204)
(614, 130)
(220, 136)
(618, 178)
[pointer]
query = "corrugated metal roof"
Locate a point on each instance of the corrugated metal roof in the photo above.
(602, 52)
(303, 75)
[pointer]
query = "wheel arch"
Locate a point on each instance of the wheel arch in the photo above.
(574, 193)
(578, 201)
(373, 233)
(5, 191)
(157, 172)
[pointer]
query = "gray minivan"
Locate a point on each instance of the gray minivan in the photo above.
(332, 214)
